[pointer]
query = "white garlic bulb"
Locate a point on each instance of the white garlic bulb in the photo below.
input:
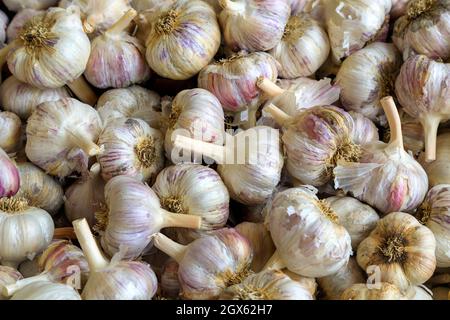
(67, 129)
(183, 39)
(384, 291)
(306, 233)
(131, 148)
(17, 5)
(11, 131)
(25, 230)
(39, 189)
(132, 102)
(253, 25)
(367, 76)
(8, 275)
(22, 98)
(18, 21)
(401, 249)
(364, 130)
(438, 171)
(3, 25)
(358, 218)
(45, 290)
(117, 59)
(9, 176)
(303, 48)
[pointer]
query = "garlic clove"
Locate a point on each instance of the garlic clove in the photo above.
(44, 290)
(383, 291)
(9, 176)
(8, 276)
(11, 131)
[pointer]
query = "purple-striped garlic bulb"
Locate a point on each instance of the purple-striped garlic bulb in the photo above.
(251, 171)
(384, 176)
(45, 290)
(116, 279)
(438, 171)
(303, 48)
(189, 189)
(18, 5)
(183, 39)
(67, 130)
(117, 59)
(196, 113)
(306, 232)
(170, 285)
(267, 285)
(401, 249)
(361, 291)
(133, 214)
(131, 148)
(9, 176)
(210, 264)
(434, 213)
(253, 25)
(3, 25)
(22, 98)
(424, 29)
(233, 82)
(364, 130)
(367, 76)
(133, 102)
(8, 276)
(423, 92)
(18, 21)
(85, 197)
(11, 131)
(61, 262)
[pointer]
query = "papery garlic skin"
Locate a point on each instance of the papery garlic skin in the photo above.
(61, 58)
(132, 102)
(17, 5)
(358, 218)
(183, 39)
(420, 293)
(233, 80)
(303, 48)
(170, 285)
(44, 290)
(18, 21)
(9, 176)
(253, 25)
(267, 285)
(361, 291)
(367, 76)
(364, 130)
(434, 213)
(399, 8)
(67, 130)
(308, 240)
(22, 98)
(11, 131)
(402, 249)
(8, 275)
(131, 148)
(141, 5)
(41, 190)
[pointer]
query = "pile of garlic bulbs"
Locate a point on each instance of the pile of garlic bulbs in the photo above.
(224, 149)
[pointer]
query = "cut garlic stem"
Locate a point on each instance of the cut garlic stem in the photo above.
(64, 233)
(430, 123)
(11, 289)
(169, 247)
(275, 263)
(80, 139)
(181, 220)
(395, 124)
(83, 91)
(279, 115)
(122, 23)
(213, 151)
(94, 256)
(269, 87)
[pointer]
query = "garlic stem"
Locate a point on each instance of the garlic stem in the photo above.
(169, 247)
(281, 117)
(81, 140)
(232, 5)
(11, 289)
(430, 123)
(83, 91)
(122, 23)
(275, 263)
(269, 87)
(94, 256)
(395, 124)
(210, 150)
(181, 220)
(64, 233)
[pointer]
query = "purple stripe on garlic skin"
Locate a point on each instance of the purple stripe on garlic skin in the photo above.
(364, 130)
(9, 176)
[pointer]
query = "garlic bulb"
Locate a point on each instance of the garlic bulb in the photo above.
(260, 241)
(401, 248)
(367, 76)
(435, 214)
(303, 48)
(8, 275)
(438, 171)
(250, 172)
(253, 25)
(424, 29)
(386, 177)
(334, 285)
(422, 90)
(306, 233)
(309, 283)
(18, 21)
(9, 176)
(25, 230)
(183, 39)
(22, 98)
(67, 129)
(116, 279)
(39, 189)
(44, 290)
(18, 5)
(170, 285)
(210, 264)
(358, 218)
(267, 285)
(385, 291)
(364, 130)
(11, 129)
(3, 25)
(133, 214)
(194, 190)
(117, 59)
(85, 197)
(132, 102)
(131, 148)
(196, 112)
